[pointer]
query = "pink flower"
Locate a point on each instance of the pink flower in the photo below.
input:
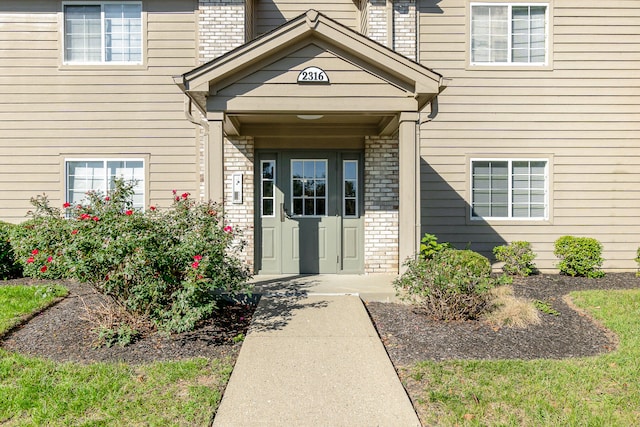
(49, 259)
(74, 232)
(152, 208)
(96, 219)
(185, 195)
(66, 205)
(85, 216)
(30, 260)
(177, 199)
(228, 229)
(78, 206)
(43, 268)
(106, 199)
(34, 252)
(129, 212)
(197, 258)
(195, 264)
(174, 191)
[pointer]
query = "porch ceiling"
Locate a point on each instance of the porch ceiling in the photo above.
(310, 123)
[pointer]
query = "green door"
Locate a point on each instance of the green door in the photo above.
(310, 208)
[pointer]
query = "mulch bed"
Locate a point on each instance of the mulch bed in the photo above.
(60, 333)
(409, 336)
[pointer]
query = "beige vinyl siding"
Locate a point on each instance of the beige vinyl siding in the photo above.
(50, 112)
(271, 14)
(582, 114)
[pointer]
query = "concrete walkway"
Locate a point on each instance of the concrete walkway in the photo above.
(313, 358)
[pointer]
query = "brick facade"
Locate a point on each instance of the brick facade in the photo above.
(221, 27)
(405, 27)
(239, 158)
(381, 200)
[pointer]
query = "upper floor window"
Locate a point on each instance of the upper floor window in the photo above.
(509, 189)
(103, 33)
(509, 34)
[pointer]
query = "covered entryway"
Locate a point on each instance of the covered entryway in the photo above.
(311, 144)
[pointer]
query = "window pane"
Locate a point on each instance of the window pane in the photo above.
(297, 206)
(297, 188)
(309, 188)
(320, 207)
(350, 170)
(309, 207)
(267, 170)
(123, 29)
(320, 189)
(267, 189)
(350, 207)
(349, 189)
(82, 27)
(296, 169)
(267, 207)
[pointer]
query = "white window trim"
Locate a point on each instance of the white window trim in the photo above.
(102, 45)
(106, 160)
(344, 189)
(262, 181)
(509, 63)
(326, 193)
(510, 216)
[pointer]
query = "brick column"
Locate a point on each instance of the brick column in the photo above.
(381, 201)
(238, 158)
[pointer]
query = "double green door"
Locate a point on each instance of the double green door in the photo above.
(309, 212)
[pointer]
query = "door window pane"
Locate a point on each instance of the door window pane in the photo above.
(267, 187)
(350, 188)
(308, 187)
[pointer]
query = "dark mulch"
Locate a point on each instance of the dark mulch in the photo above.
(60, 333)
(409, 336)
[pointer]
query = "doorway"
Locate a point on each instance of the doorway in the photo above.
(309, 213)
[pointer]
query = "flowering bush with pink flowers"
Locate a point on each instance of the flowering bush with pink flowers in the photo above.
(172, 266)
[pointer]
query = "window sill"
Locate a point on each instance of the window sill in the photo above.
(102, 66)
(509, 67)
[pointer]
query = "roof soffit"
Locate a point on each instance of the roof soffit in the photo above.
(310, 28)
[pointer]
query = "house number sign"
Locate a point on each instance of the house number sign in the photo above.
(313, 75)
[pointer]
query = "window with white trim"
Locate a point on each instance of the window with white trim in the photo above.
(96, 33)
(85, 175)
(513, 34)
(350, 187)
(509, 189)
(268, 188)
(309, 187)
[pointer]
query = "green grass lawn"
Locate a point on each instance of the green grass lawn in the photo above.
(595, 391)
(34, 391)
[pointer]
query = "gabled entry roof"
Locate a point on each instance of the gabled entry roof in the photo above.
(259, 77)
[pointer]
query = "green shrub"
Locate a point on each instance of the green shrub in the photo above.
(9, 268)
(171, 267)
(429, 246)
(452, 285)
(579, 256)
(517, 257)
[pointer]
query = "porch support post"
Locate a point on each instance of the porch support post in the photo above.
(214, 158)
(409, 191)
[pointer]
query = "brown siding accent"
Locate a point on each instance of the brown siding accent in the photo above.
(582, 114)
(49, 111)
